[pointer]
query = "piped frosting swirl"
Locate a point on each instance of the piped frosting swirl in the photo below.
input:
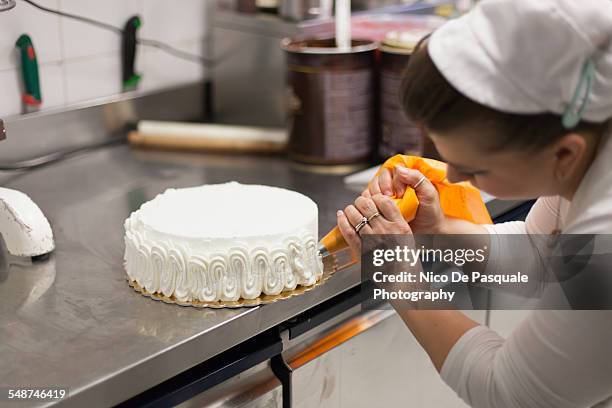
(215, 266)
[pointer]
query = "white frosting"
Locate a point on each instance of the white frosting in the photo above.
(223, 242)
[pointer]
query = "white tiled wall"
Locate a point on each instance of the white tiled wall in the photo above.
(79, 62)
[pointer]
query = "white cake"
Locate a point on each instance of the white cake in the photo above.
(223, 242)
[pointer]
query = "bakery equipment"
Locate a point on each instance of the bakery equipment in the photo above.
(267, 6)
(23, 226)
(207, 137)
(372, 4)
(90, 333)
(246, 6)
(293, 10)
(343, 24)
(249, 74)
(31, 96)
(331, 118)
(457, 200)
(397, 134)
(129, 42)
(2, 130)
(300, 10)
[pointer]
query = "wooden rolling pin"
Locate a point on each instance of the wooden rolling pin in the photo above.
(207, 137)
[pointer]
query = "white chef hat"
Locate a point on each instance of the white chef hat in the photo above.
(531, 56)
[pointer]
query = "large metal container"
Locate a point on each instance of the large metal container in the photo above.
(372, 4)
(332, 97)
(397, 134)
(299, 10)
(246, 6)
(249, 71)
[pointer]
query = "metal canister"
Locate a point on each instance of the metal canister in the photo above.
(332, 94)
(300, 10)
(267, 6)
(397, 134)
(246, 6)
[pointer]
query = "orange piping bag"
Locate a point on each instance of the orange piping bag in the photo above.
(458, 200)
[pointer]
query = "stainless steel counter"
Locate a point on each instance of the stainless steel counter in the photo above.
(72, 320)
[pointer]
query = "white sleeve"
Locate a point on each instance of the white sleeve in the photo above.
(554, 359)
(542, 219)
(544, 216)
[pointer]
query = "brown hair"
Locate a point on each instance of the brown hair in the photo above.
(430, 101)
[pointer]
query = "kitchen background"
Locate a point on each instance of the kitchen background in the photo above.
(80, 63)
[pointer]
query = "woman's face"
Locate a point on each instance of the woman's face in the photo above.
(511, 174)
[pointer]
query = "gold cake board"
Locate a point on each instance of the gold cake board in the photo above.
(329, 268)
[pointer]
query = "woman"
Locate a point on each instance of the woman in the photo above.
(516, 95)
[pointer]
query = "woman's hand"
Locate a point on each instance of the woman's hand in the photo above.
(429, 217)
(388, 221)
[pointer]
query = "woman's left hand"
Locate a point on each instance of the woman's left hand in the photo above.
(390, 220)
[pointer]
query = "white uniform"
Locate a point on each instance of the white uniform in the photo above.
(553, 359)
(525, 56)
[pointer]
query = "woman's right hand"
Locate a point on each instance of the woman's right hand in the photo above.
(393, 183)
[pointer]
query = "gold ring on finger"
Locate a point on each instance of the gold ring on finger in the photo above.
(371, 217)
(421, 180)
(362, 223)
